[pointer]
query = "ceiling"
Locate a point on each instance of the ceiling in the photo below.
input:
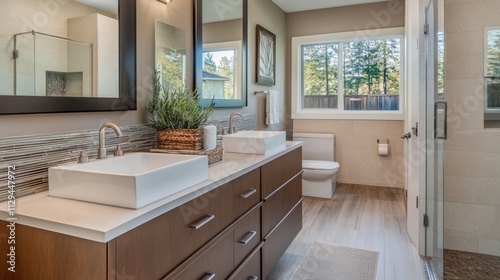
(290, 6)
(110, 6)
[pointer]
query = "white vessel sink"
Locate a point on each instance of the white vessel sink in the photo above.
(255, 142)
(133, 180)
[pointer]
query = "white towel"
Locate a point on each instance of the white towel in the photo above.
(272, 108)
(209, 137)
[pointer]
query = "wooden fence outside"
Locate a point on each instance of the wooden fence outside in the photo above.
(493, 95)
(375, 102)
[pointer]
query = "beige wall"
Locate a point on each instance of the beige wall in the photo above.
(179, 14)
(472, 154)
(222, 31)
(356, 141)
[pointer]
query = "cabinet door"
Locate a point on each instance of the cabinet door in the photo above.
(43, 254)
(155, 248)
(246, 192)
(279, 240)
(276, 207)
(216, 263)
(195, 223)
(247, 235)
(279, 171)
(250, 270)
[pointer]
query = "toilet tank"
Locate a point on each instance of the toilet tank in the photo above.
(316, 146)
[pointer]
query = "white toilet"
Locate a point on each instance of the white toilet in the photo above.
(319, 177)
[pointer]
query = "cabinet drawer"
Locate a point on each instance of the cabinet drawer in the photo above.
(277, 206)
(216, 264)
(247, 235)
(246, 192)
(279, 240)
(168, 240)
(196, 222)
(279, 171)
(249, 270)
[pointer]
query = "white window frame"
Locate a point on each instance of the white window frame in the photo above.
(330, 113)
(485, 56)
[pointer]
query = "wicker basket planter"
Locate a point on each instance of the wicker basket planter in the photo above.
(180, 139)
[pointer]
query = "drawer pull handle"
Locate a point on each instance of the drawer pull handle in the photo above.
(209, 276)
(202, 222)
(253, 278)
(248, 237)
(248, 194)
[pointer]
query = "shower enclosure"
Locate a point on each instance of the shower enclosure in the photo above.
(49, 65)
(436, 124)
(463, 136)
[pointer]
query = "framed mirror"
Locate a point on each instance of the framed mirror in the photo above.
(221, 52)
(67, 56)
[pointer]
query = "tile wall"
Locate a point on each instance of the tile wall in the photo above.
(472, 153)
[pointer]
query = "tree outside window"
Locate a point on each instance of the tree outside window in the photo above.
(369, 78)
(219, 74)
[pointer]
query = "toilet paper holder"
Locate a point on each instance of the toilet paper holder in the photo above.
(378, 141)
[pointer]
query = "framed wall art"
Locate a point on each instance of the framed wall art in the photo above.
(266, 57)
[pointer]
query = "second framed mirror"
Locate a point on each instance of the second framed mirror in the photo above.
(221, 52)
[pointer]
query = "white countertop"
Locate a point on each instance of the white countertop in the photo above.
(103, 223)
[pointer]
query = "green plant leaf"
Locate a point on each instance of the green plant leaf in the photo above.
(177, 109)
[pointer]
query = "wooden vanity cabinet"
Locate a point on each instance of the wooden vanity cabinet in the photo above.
(155, 248)
(42, 254)
(276, 173)
(250, 269)
(236, 231)
(216, 263)
(282, 206)
(247, 235)
(247, 191)
(219, 258)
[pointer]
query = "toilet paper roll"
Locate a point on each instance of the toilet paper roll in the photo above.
(383, 149)
(209, 137)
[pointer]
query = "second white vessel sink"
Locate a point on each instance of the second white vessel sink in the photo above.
(255, 142)
(132, 181)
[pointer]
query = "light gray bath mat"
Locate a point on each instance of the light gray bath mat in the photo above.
(324, 261)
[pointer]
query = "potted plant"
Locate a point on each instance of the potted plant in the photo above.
(177, 117)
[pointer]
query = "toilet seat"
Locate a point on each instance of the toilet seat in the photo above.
(320, 165)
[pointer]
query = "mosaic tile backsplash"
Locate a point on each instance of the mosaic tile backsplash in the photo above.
(33, 155)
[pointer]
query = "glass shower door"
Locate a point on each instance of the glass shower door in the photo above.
(436, 111)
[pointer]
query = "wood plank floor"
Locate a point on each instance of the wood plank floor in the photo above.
(364, 217)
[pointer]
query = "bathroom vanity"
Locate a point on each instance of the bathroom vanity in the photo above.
(235, 225)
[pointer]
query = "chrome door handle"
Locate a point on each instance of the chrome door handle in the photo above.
(406, 136)
(249, 193)
(202, 222)
(209, 276)
(248, 237)
(443, 105)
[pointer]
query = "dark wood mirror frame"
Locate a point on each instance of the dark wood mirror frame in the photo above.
(198, 58)
(127, 84)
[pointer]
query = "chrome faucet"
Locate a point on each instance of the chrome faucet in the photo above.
(101, 153)
(232, 129)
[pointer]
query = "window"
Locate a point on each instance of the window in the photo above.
(220, 70)
(320, 75)
(492, 70)
(348, 75)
